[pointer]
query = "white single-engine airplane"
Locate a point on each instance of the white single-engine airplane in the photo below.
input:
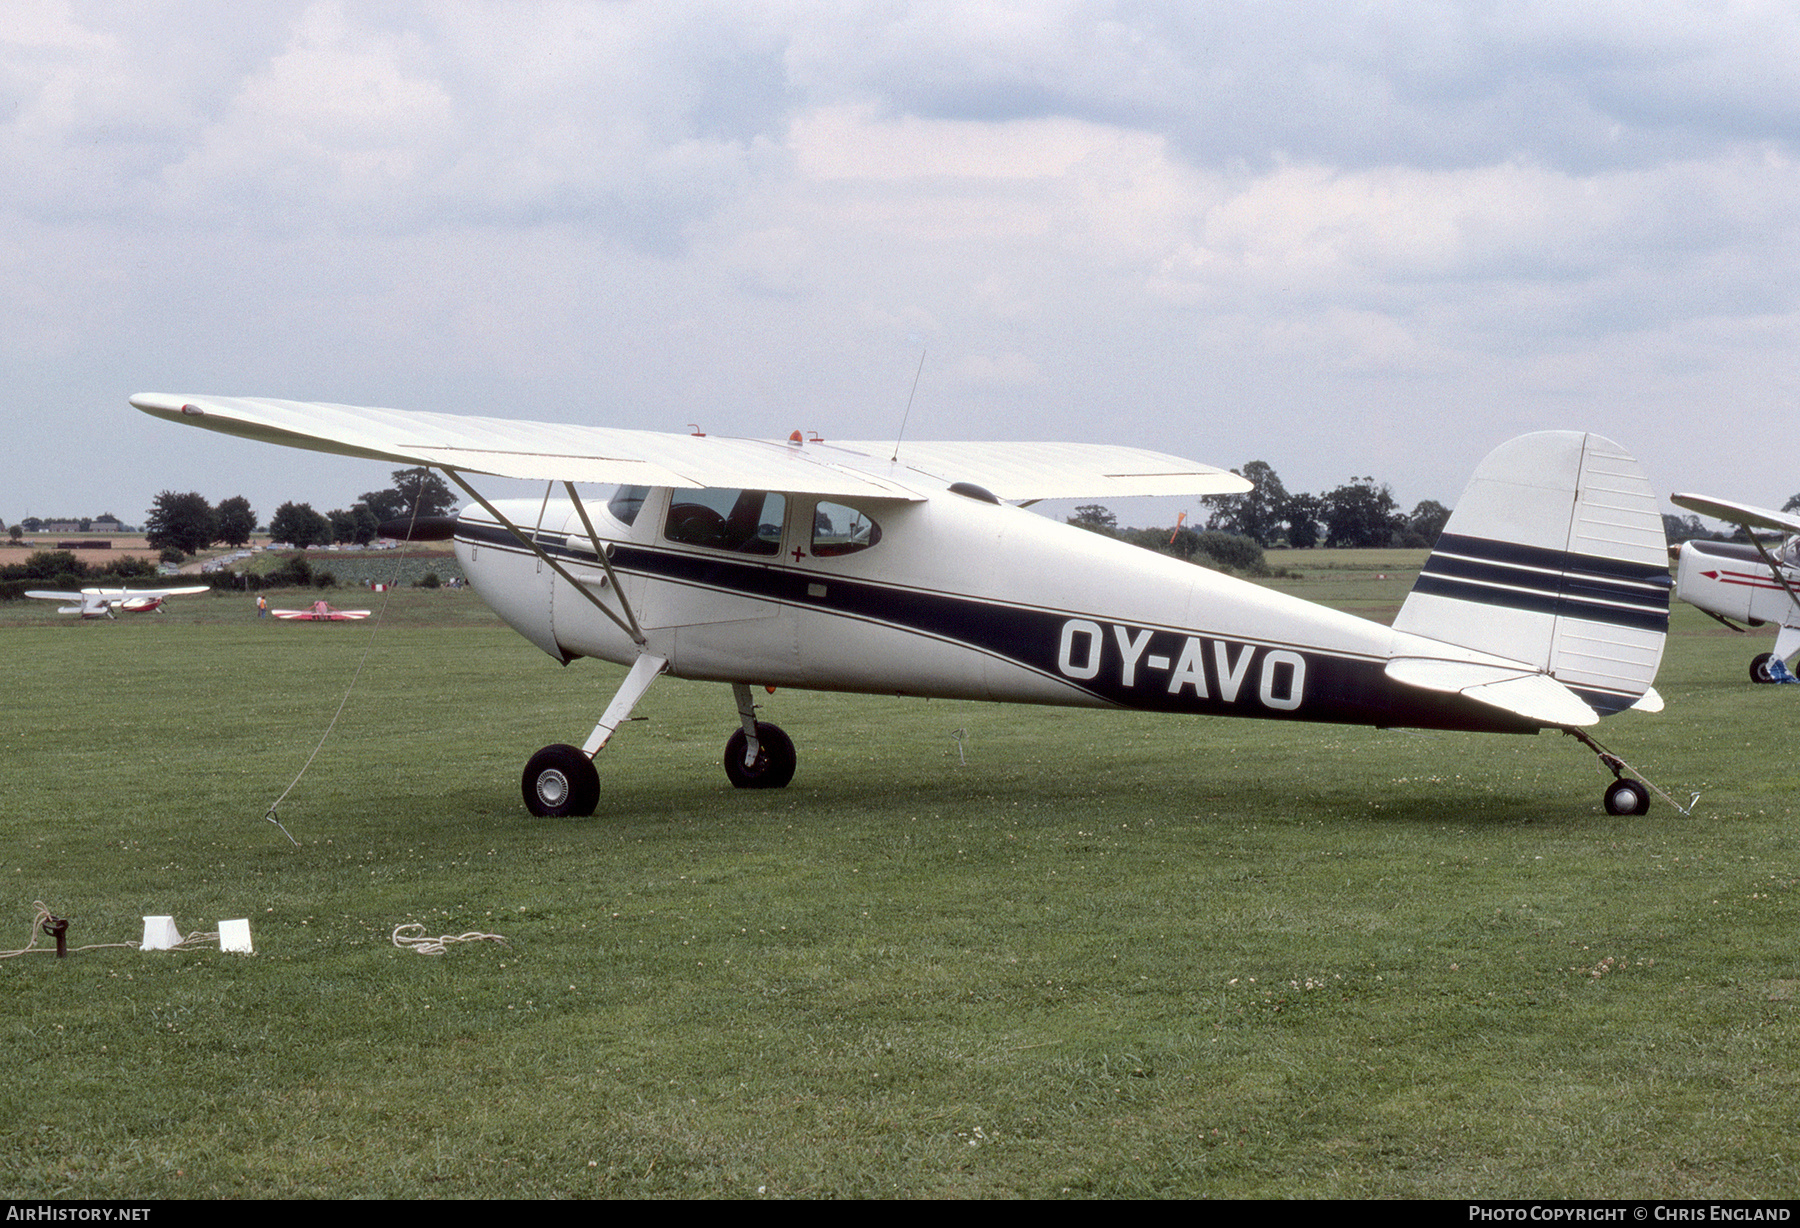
(1731, 580)
(101, 602)
(901, 569)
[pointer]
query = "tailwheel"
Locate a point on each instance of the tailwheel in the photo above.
(1627, 796)
(773, 766)
(1624, 795)
(560, 780)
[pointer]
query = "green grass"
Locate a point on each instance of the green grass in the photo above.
(1108, 955)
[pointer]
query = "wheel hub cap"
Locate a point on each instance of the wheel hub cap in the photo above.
(552, 787)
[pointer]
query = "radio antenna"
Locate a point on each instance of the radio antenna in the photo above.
(909, 400)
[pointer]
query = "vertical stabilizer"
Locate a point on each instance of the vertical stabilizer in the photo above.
(1555, 558)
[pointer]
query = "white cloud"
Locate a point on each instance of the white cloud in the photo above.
(1227, 228)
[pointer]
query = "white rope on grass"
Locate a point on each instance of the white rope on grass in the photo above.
(44, 914)
(417, 941)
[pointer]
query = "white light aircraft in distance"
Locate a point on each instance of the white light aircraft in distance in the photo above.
(903, 570)
(1732, 580)
(101, 602)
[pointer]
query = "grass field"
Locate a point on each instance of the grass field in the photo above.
(973, 951)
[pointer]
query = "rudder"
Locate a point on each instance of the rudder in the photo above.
(1554, 557)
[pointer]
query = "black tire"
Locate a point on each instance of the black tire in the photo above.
(1627, 797)
(560, 780)
(1759, 668)
(775, 759)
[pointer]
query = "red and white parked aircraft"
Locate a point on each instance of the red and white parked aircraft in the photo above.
(1749, 583)
(320, 612)
(101, 602)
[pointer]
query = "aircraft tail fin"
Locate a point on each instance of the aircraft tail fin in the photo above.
(1555, 558)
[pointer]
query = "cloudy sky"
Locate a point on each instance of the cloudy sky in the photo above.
(1345, 238)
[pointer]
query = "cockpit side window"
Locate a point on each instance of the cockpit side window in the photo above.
(741, 521)
(839, 530)
(626, 503)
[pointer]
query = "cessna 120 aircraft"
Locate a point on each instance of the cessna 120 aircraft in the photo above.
(902, 569)
(101, 602)
(1730, 580)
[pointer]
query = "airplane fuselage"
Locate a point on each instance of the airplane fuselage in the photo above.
(956, 598)
(1731, 579)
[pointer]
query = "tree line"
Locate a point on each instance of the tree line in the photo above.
(180, 525)
(1359, 514)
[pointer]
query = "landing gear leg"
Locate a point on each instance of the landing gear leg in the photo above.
(561, 780)
(1624, 795)
(758, 755)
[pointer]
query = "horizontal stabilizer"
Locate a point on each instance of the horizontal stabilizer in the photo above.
(1534, 696)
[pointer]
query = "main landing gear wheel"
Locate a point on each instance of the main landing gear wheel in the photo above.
(1759, 668)
(775, 759)
(1627, 796)
(559, 781)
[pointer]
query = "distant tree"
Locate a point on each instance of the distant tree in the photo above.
(236, 521)
(298, 525)
(296, 571)
(1683, 528)
(1361, 514)
(32, 524)
(49, 564)
(1234, 550)
(1792, 505)
(1302, 514)
(1257, 513)
(420, 486)
(181, 522)
(130, 568)
(1426, 523)
(356, 524)
(386, 504)
(368, 528)
(1095, 519)
(16, 533)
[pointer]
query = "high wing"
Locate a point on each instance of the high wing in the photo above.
(111, 595)
(127, 594)
(1738, 513)
(545, 451)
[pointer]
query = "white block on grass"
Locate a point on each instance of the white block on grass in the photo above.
(160, 934)
(235, 936)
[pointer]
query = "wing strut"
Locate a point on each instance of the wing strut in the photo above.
(604, 555)
(628, 624)
(1774, 567)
